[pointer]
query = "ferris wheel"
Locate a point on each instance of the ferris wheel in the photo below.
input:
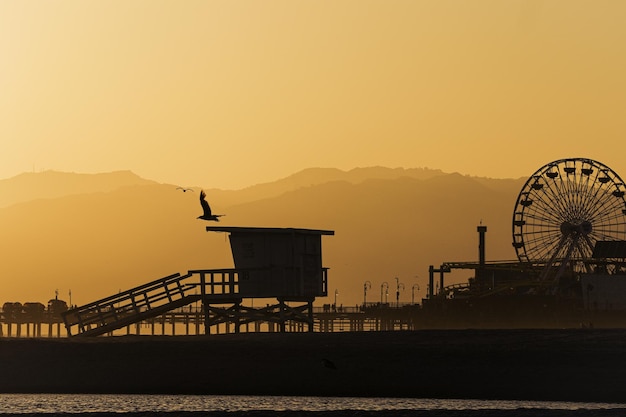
(564, 208)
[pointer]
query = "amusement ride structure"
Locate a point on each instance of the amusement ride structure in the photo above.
(563, 211)
(569, 233)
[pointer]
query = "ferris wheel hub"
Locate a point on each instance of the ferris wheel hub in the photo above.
(580, 228)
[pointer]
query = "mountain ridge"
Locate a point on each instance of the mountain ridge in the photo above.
(100, 242)
(52, 183)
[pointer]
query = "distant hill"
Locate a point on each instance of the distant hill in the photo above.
(387, 223)
(53, 184)
(316, 176)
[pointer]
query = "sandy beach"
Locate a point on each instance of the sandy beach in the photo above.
(556, 365)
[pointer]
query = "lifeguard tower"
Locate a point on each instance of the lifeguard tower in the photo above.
(281, 266)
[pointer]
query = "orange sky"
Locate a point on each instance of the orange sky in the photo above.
(232, 93)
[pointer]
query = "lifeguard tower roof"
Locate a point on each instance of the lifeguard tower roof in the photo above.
(268, 230)
(278, 262)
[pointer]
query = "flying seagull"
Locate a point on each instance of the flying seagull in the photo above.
(207, 215)
(184, 190)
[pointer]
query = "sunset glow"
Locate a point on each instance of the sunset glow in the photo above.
(228, 94)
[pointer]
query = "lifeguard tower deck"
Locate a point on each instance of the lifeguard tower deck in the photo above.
(283, 265)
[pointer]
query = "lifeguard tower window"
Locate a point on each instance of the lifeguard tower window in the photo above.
(278, 262)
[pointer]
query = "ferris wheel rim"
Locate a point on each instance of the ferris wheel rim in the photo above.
(582, 202)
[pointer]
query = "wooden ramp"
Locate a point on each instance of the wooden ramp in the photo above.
(151, 300)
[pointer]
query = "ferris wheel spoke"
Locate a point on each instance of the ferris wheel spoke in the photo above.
(608, 232)
(543, 227)
(542, 230)
(614, 220)
(544, 207)
(543, 217)
(541, 236)
(552, 189)
(594, 190)
(534, 203)
(601, 200)
(590, 180)
(611, 207)
(615, 223)
(583, 192)
(543, 253)
(570, 189)
(602, 185)
(583, 187)
(582, 206)
(542, 239)
(539, 254)
(542, 243)
(555, 195)
(602, 235)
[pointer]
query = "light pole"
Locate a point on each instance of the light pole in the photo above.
(366, 286)
(385, 286)
(336, 293)
(398, 286)
(413, 292)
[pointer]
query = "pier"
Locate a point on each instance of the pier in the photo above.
(190, 320)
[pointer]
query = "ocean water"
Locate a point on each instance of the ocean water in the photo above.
(34, 404)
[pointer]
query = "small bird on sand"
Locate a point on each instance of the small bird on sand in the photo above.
(184, 190)
(207, 215)
(329, 364)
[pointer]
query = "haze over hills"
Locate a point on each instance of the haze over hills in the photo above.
(51, 184)
(315, 176)
(95, 235)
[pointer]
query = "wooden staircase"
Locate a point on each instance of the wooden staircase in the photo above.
(151, 300)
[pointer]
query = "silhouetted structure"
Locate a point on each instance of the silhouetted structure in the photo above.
(32, 315)
(282, 264)
(569, 232)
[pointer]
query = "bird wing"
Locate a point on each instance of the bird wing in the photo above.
(205, 206)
